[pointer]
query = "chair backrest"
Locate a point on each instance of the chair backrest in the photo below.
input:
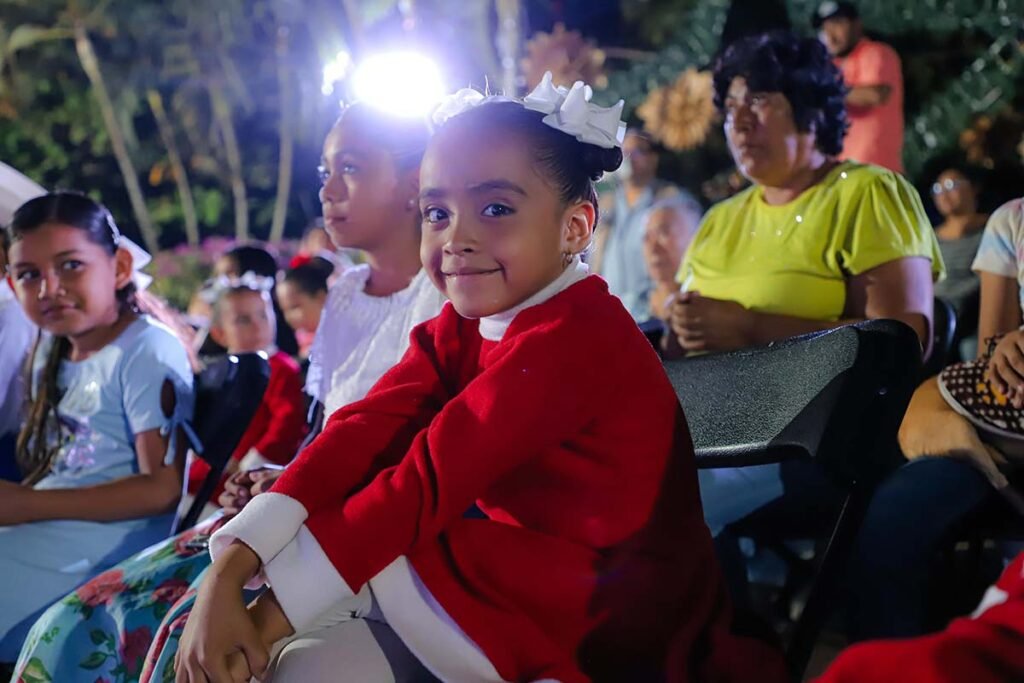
(837, 396)
(228, 392)
(944, 324)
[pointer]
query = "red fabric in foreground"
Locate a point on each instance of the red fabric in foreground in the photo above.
(988, 648)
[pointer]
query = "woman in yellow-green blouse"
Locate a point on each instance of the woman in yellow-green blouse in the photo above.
(814, 243)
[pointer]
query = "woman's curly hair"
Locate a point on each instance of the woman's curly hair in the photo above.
(799, 68)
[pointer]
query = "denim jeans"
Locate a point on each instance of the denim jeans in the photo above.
(911, 514)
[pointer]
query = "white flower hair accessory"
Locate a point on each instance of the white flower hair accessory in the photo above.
(215, 288)
(568, 110)
(460, 102)
(140, 259)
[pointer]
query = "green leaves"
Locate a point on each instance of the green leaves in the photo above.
(51, 128)
(93, 661)
(692, 44)
(50, 635)
(937, 116)
(28, 35)
(35, 672)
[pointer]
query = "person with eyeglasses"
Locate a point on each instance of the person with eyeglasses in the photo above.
(955, 193)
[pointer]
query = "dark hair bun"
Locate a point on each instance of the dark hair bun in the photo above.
(311, 277)
(597, 160)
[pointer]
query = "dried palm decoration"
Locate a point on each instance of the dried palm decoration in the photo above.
(567, 55)
(679, 115)
(984, 141)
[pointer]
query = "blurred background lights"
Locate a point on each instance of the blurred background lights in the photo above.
(336, 70)
(402, 83)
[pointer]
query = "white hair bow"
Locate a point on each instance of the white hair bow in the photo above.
(140, 259)
(566, 109)
(571, 111)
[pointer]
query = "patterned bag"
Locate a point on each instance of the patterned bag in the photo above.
(967, 389)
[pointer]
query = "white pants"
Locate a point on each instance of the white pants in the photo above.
(351, 642)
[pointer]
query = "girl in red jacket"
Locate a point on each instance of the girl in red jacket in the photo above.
(534, 397)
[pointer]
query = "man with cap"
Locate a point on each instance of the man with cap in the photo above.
(872, 72)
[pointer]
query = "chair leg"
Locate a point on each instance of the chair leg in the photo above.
(821, 599)
(203, 496)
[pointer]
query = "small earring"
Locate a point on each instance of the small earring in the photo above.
(567, 258)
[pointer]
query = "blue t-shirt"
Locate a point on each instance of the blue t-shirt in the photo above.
(111, 397)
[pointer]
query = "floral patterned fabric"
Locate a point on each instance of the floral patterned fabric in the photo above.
(159, 664)
(102, 631)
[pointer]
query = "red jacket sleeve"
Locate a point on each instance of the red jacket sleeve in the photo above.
(985, 648)
(370, 434)
(541, 392)
(287, 422)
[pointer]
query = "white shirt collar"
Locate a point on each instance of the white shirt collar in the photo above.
(493, 327)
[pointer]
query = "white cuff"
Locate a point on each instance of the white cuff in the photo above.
(304, 580)
(267, 524)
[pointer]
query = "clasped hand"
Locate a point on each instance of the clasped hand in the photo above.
(221, 643)
(242, 487)
(703, 324)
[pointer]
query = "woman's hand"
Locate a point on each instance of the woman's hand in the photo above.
(1006, 368)
(241, 487)
(220, 628)
(704, 324)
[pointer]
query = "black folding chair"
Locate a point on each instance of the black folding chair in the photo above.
(835, 397)
(228, 392)
(654, 330)
(944, 328)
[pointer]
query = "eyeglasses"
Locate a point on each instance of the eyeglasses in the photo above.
(947, 185)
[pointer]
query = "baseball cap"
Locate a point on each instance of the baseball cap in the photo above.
(831, 9)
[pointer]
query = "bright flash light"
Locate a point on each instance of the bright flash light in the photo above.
(336, 70)
(402, 83)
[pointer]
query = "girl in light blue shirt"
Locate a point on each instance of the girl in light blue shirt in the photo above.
(110, 387)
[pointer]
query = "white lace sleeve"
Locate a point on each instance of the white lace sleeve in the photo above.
(322, 355)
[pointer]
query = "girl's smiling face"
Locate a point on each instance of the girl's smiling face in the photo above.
(67, 283)
(495, 231)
